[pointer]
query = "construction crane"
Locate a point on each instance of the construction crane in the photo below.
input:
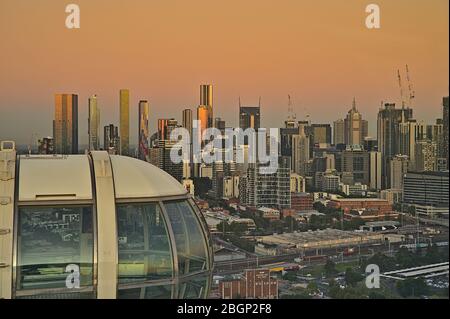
(291, 115)
(411, 93)
(401, 89)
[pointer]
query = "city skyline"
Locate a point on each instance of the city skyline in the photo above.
(322, 58)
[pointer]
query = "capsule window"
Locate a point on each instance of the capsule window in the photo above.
(144, 245)
(189, 237)
(54, 249)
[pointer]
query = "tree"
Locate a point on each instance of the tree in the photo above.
(352, 277)
(330, 268)
(412, 287)
(353, 224)
(384, 262)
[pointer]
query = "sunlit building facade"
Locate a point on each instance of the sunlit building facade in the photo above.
(206, 99)
(143, 130)
(65, 124)
(124, 96)
(93, 124)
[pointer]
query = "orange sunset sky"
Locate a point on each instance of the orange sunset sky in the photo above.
(318, 51)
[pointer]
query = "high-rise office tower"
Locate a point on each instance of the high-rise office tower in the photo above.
(93, 124)
(124, 122)
(425, 156)
(355, 161)
(202, 117)
(165, 128)
(249, 116)
(355, 128)
(321, 133)
(435, 133)
(375, 163)
(187, 123)
(143, 130)
(269, 190)
(398, 167)
(445, 128)
(206, 99)
(300, 152)
(338, 132)
(220, 124)
(388, 132)
(409, 133)
(65, 124)
(111, 140)
(187, 120)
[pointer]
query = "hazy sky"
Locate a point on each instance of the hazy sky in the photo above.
(318, 51)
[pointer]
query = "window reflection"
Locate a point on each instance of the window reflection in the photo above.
(189, 237)
(144, 249)
(194, 288)
(49, 240)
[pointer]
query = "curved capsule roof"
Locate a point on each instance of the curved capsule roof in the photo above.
(134, 178)
(69, 178)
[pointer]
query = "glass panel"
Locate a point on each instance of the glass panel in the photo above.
(144, 249)
(194, 288)
(55, 247)
(151, 292)
(189, 237)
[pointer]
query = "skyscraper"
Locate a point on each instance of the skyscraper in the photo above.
(269, 190)
(187, 120)
(425, 156)
(249, 117)
(355, 128)
(321, 133)
(410, 132)
(143, 130)
(445, 128)
(206, 99)
(93, 124)
(165, 128)
(202, 116)
(398, 167)
(355, 161)
(111, 140)
(65, 124)
(375, 163)
(300, 152)
(338, 132)
(124, 122)
(388, 132)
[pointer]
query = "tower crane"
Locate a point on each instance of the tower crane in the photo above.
(401, 89)
(411, 92)
(291, 115)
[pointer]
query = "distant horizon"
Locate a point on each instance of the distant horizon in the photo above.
(318, 52)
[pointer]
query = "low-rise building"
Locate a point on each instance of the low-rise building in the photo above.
(253, 284)
(269, 213)
(301, 201)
